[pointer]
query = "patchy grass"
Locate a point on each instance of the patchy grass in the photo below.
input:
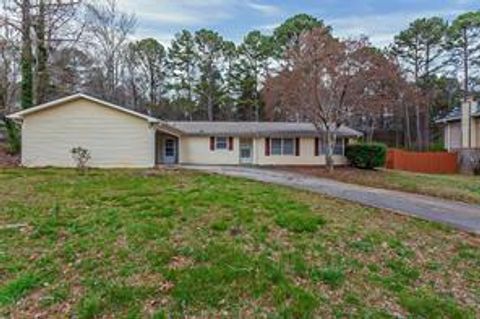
(160, 244)
(453, 187)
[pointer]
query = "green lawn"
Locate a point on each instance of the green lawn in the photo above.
(454, 187)
(131, 244)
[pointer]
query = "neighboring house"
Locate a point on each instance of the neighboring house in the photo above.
(119, 137)
(462, 127)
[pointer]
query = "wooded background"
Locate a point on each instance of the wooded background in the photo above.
(50, 49)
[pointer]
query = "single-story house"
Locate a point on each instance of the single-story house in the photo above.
(462, 126)
(119, 137)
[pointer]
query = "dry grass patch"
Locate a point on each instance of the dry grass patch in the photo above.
(453, 187)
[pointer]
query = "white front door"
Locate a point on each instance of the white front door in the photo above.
(170, 151)
(246, 151)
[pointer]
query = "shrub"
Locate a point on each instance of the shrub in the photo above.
(81, 156)
(367, 156)
(437, 147)
(13, 137)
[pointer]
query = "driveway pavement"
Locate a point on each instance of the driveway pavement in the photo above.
(462, 216)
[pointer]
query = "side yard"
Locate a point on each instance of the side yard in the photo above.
(453, 187)
(156, 244)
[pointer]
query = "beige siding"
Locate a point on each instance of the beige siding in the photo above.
(476, 133)
(196, 150)
(453, 136)
(114, 139)
(307, 155)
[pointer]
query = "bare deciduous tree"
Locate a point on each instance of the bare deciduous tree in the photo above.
(326, 80)
(109, 28)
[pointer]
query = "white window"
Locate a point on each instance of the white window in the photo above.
(288, 146)
(221, 143)
(283, 146)
(339, 148)
(276, 146)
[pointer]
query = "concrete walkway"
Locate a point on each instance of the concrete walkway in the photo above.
(459, 215)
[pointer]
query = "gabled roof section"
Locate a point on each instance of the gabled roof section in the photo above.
(22, 114)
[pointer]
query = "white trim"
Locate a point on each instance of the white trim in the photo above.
(21, 114)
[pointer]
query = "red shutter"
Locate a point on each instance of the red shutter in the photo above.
(297, 146)
(230, 143)
(267, 147)
(317, 146)
(212, 143)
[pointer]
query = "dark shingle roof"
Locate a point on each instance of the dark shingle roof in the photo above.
(269, 129)
(454, 115)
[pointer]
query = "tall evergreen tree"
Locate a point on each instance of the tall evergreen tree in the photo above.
(209, 48)
(464, 43)
(420, 49)
(287, 35)
(182, 68)
(253, 63)
(228, 104)
(150, 56)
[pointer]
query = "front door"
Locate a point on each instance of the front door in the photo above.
(246, 151)
(170, 151)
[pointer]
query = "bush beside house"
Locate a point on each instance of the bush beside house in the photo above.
(366, 156)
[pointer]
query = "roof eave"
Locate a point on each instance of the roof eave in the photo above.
(448, 120)
(20, 115)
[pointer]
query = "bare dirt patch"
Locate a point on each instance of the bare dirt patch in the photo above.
(6, 159)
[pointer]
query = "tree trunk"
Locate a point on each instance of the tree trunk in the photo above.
(153, 96)
(465, 64)
(417, 107)
(27, 57)
(331, 138)
(408, 134)
(418, 125)
(210, 108)
(42, 77)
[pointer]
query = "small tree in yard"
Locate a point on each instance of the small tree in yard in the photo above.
(325, 81)
(81, 156)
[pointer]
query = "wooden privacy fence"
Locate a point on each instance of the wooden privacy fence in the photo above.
(423, 162)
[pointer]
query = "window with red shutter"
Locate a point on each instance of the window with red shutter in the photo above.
(267, 147)
(297, 146)
(212, 143)
(317, 146)
(230, 143)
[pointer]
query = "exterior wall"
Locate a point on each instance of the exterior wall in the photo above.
(476, 132)
(453, 136)
(196, 150)
(114, 139)
(307, 155)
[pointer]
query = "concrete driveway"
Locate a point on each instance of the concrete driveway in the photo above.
(462, 216)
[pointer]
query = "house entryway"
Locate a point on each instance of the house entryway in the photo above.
(166, 149)
(246, 151)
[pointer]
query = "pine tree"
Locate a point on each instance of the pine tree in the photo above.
(182, 68)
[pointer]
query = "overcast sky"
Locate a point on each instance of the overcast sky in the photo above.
(379, 19)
